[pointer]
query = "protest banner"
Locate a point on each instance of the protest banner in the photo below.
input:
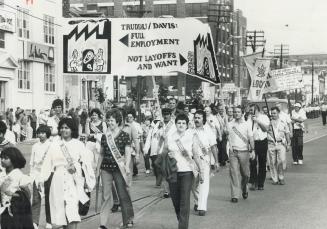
(285, 79)
(139, 46)
(259, 78)
(250, 59)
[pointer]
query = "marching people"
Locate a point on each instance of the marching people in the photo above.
(73, 175)
(209, 156)
(53, 121)
(39, 151)
(146, 129)
(278, 144)
(260, 124)
(213, 123)
(94, 130)
(4, 143)
(230, 115)
(114, 166)
(172, 105)
(180, 146)
(222, 143)
(240, 135)
(298, 117)
(14, 188)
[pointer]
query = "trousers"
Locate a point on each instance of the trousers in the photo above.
(124, 197)
(239, 172)
(258, 176)
(201, 191)
(277, 154)
(180, 193)
(297, 145)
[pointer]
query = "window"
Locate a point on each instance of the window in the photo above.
(48, 29)
(2, 39)
(49, 78)
(23, 23)
(24, 81)
(196, 9)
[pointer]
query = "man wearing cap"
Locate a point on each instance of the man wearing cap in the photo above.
(298, 118)
(278, 144)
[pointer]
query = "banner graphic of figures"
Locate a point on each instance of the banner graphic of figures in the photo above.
(139, 46)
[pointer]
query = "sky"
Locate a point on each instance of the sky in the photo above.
(301, 24)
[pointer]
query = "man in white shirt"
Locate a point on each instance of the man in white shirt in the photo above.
(240, 136)
(298, 118)
(260, 124)
(207, 150)
(285, 117)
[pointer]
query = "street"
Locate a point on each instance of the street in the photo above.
(300, 203)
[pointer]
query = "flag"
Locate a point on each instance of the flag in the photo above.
(250, 61)
(259, 78)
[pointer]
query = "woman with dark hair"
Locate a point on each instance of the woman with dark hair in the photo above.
(180, 146)
(72, 173)
(53, 121)
(94, 131)
(14, 191)
(113, 166)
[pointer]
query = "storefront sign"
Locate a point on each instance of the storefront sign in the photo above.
(39, 53)
(7, 21)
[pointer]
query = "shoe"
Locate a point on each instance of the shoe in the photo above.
(115, 208)
(295, 163)
(202, 213)
(260, 188)
(234, 200)
(147, 171)
(300, 162)
(130, 224)
(166, 195)
(48, 226)
(195, 207)
(281, 182)
(102, 227)
(275, 183)
(245, 195)
(35, 226)
(252, 187)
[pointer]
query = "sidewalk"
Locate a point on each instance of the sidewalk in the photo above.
(144, 194)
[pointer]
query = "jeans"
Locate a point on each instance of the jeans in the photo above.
(47, 185)
(180, 193)
(156, 170)
(222, 152)
(258, 177)
(124, 197)
(147, 161)
(239, 166)
(297, 145)
(323, 115)
(277, 154)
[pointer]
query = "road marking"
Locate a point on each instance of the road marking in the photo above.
(315, 138)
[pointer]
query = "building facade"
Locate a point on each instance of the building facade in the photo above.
(228, 55)
(30, 75)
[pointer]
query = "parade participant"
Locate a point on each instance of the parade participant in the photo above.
(222, 118)
(260, 124)
(94, 130)
(4, 143)
(285, 117)
(180, 146)
(190, 116)
(298, 118)
(265, 110)
(208, 150)
(53, 121)
(172, 103)
(15, 203)
(324, 112)
(240, 135)
(114, 165)
(230, 115)
(33, 119)
(39, 151)
(146, 129)
(278, 144)
(130, 120)
(72, 173)
(213, 123)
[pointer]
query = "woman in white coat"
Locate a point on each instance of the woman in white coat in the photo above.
(66, 159)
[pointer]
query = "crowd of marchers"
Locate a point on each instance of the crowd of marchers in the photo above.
(182, 145)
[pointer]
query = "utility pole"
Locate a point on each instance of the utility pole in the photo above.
(312, 71)
(255, 39)
(281, 51)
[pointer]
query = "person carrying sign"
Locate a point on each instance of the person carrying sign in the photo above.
(240, 137)
(114, 166)
(278, 144)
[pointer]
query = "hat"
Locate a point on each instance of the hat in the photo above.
(297, 105)
(166, 111)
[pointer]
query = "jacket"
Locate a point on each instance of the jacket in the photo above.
(168, 167)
